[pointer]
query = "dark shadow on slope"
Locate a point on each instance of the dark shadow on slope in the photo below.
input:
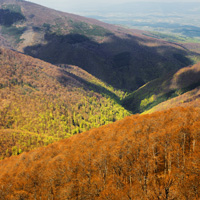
(125, 63)
(87, 85)
(187, 80)
(8, 17)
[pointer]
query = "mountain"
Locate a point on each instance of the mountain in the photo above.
(123, 58)
(189, 98)
(164, 88)
(41, 103)
(49, 98)
(153, 156)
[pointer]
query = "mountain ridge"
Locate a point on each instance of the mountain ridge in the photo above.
(149, 156)
(111, 53)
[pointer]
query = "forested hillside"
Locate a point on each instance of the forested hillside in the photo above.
(188, 98)
(65, 127)
(153, 156)
(41, 103)
(185, 80)
(123, 58)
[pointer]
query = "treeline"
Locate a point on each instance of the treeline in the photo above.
(141, 157)
(50, 102)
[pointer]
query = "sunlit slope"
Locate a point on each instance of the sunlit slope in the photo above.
(140, 157)
(123, 58)
(191, 97)
(167, 87)
(41, 103)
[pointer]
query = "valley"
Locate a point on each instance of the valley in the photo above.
(180, 18)
(123, 58)
(42, 103)
(91, 110)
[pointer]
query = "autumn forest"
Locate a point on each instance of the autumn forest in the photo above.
(141, 157)
(90, 110)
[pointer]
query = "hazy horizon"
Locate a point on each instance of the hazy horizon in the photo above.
(82, 5)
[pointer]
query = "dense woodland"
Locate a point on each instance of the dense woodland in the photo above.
(65, 135)
(153, 156)
(41, 103)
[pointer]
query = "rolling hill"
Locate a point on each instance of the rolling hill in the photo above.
(48, 99)
(188, 98)
(164, 88)
(153, 156)
(123, 58)
(41, 103)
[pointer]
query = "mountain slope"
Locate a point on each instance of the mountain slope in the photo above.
(123, 58)
(164, 88)
(189, 98)
(140, 157)
(41, 103)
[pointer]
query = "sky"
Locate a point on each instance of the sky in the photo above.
(81, 5)
(70, 5)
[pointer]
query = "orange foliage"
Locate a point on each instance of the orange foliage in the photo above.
(153, 156)
(41, 103)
